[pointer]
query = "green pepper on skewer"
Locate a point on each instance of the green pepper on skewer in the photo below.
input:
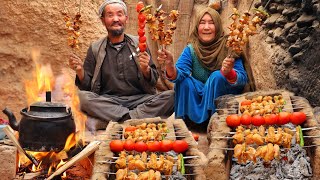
(301, 136)
(183, 171)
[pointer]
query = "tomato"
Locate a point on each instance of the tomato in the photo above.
(142, 39)
(246, 103)
(141, 18)
(142, 47)
(195, 136)
(140, 146)
(141, 32)
(129, 145)
(246, 119)
(258, 120)
(139, 6)
(130, 129)
(271, 119)
(154, 146)
(180, 146)
(141, 25)
(297, 118)
(116, 145)
(166, 145)
(284, 118)
(233, 120)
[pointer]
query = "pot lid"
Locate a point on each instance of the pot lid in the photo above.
(48, 109)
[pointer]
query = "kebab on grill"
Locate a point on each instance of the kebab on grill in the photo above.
(147, 132)
(246, 153)
(72, 27)
(242, 27)
(124, 174)
(282, 137)
(263, 105)
(163, 164)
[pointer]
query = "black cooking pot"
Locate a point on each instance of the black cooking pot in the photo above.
(45, 127)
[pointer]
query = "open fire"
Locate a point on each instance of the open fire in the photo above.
(63, 90)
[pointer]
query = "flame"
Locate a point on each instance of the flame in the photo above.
(43, 79)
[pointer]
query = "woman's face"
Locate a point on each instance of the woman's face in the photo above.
(206, 29)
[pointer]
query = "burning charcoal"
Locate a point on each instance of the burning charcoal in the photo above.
(177, 176)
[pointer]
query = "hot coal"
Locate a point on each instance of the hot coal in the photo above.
(294, 164)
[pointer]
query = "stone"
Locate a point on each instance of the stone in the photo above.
(270, 33)
(315, 24)
(270, 22)
(281, 21)
(307, 6)
(280, 8)
(303, 34)
(273, 8)
(298, 56)
(8, 161)
(290, 11)
(289, 1)
(292, 37)
(305, 20)
(285, 45)
(288, 26)
(257, 4)
(287, 61)
(294, 49)
(278, 35)
(269, 40)
(316, 9)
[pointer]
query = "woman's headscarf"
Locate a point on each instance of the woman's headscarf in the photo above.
(210, 54)
(213, 53)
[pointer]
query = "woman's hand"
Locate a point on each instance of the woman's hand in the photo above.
(144, 59)
(76, 64)
(227, 65)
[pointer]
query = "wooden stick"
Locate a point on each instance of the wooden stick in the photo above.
(93, 146)
(9, 133)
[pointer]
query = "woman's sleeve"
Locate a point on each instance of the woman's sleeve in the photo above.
(242, 78)
(183, 65)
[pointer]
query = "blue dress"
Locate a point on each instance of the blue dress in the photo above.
(194, 94)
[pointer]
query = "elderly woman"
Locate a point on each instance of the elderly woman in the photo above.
(204, 70)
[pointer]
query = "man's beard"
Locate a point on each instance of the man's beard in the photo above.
(116, 32)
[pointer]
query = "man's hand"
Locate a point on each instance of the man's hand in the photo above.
(144, 59)
(227, 65)
(165, 58)
(76, 64)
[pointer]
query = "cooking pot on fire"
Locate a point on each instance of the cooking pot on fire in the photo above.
(45, 127)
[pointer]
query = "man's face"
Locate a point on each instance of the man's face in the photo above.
(114, 19)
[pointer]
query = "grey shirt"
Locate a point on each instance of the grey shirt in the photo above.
(119, 75)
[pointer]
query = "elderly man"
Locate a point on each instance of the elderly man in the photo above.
(116, 82)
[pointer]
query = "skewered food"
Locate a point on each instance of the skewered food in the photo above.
(282, 137)
(262, 105)
(164, 164)
(157, 28)
(242, 27)
(72, 27)
(146, 132)
(246, 153)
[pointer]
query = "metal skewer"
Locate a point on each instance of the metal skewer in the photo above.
(113, 162)
(185, 157)
(113, 173)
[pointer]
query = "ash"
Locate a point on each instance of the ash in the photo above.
(294, 164)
